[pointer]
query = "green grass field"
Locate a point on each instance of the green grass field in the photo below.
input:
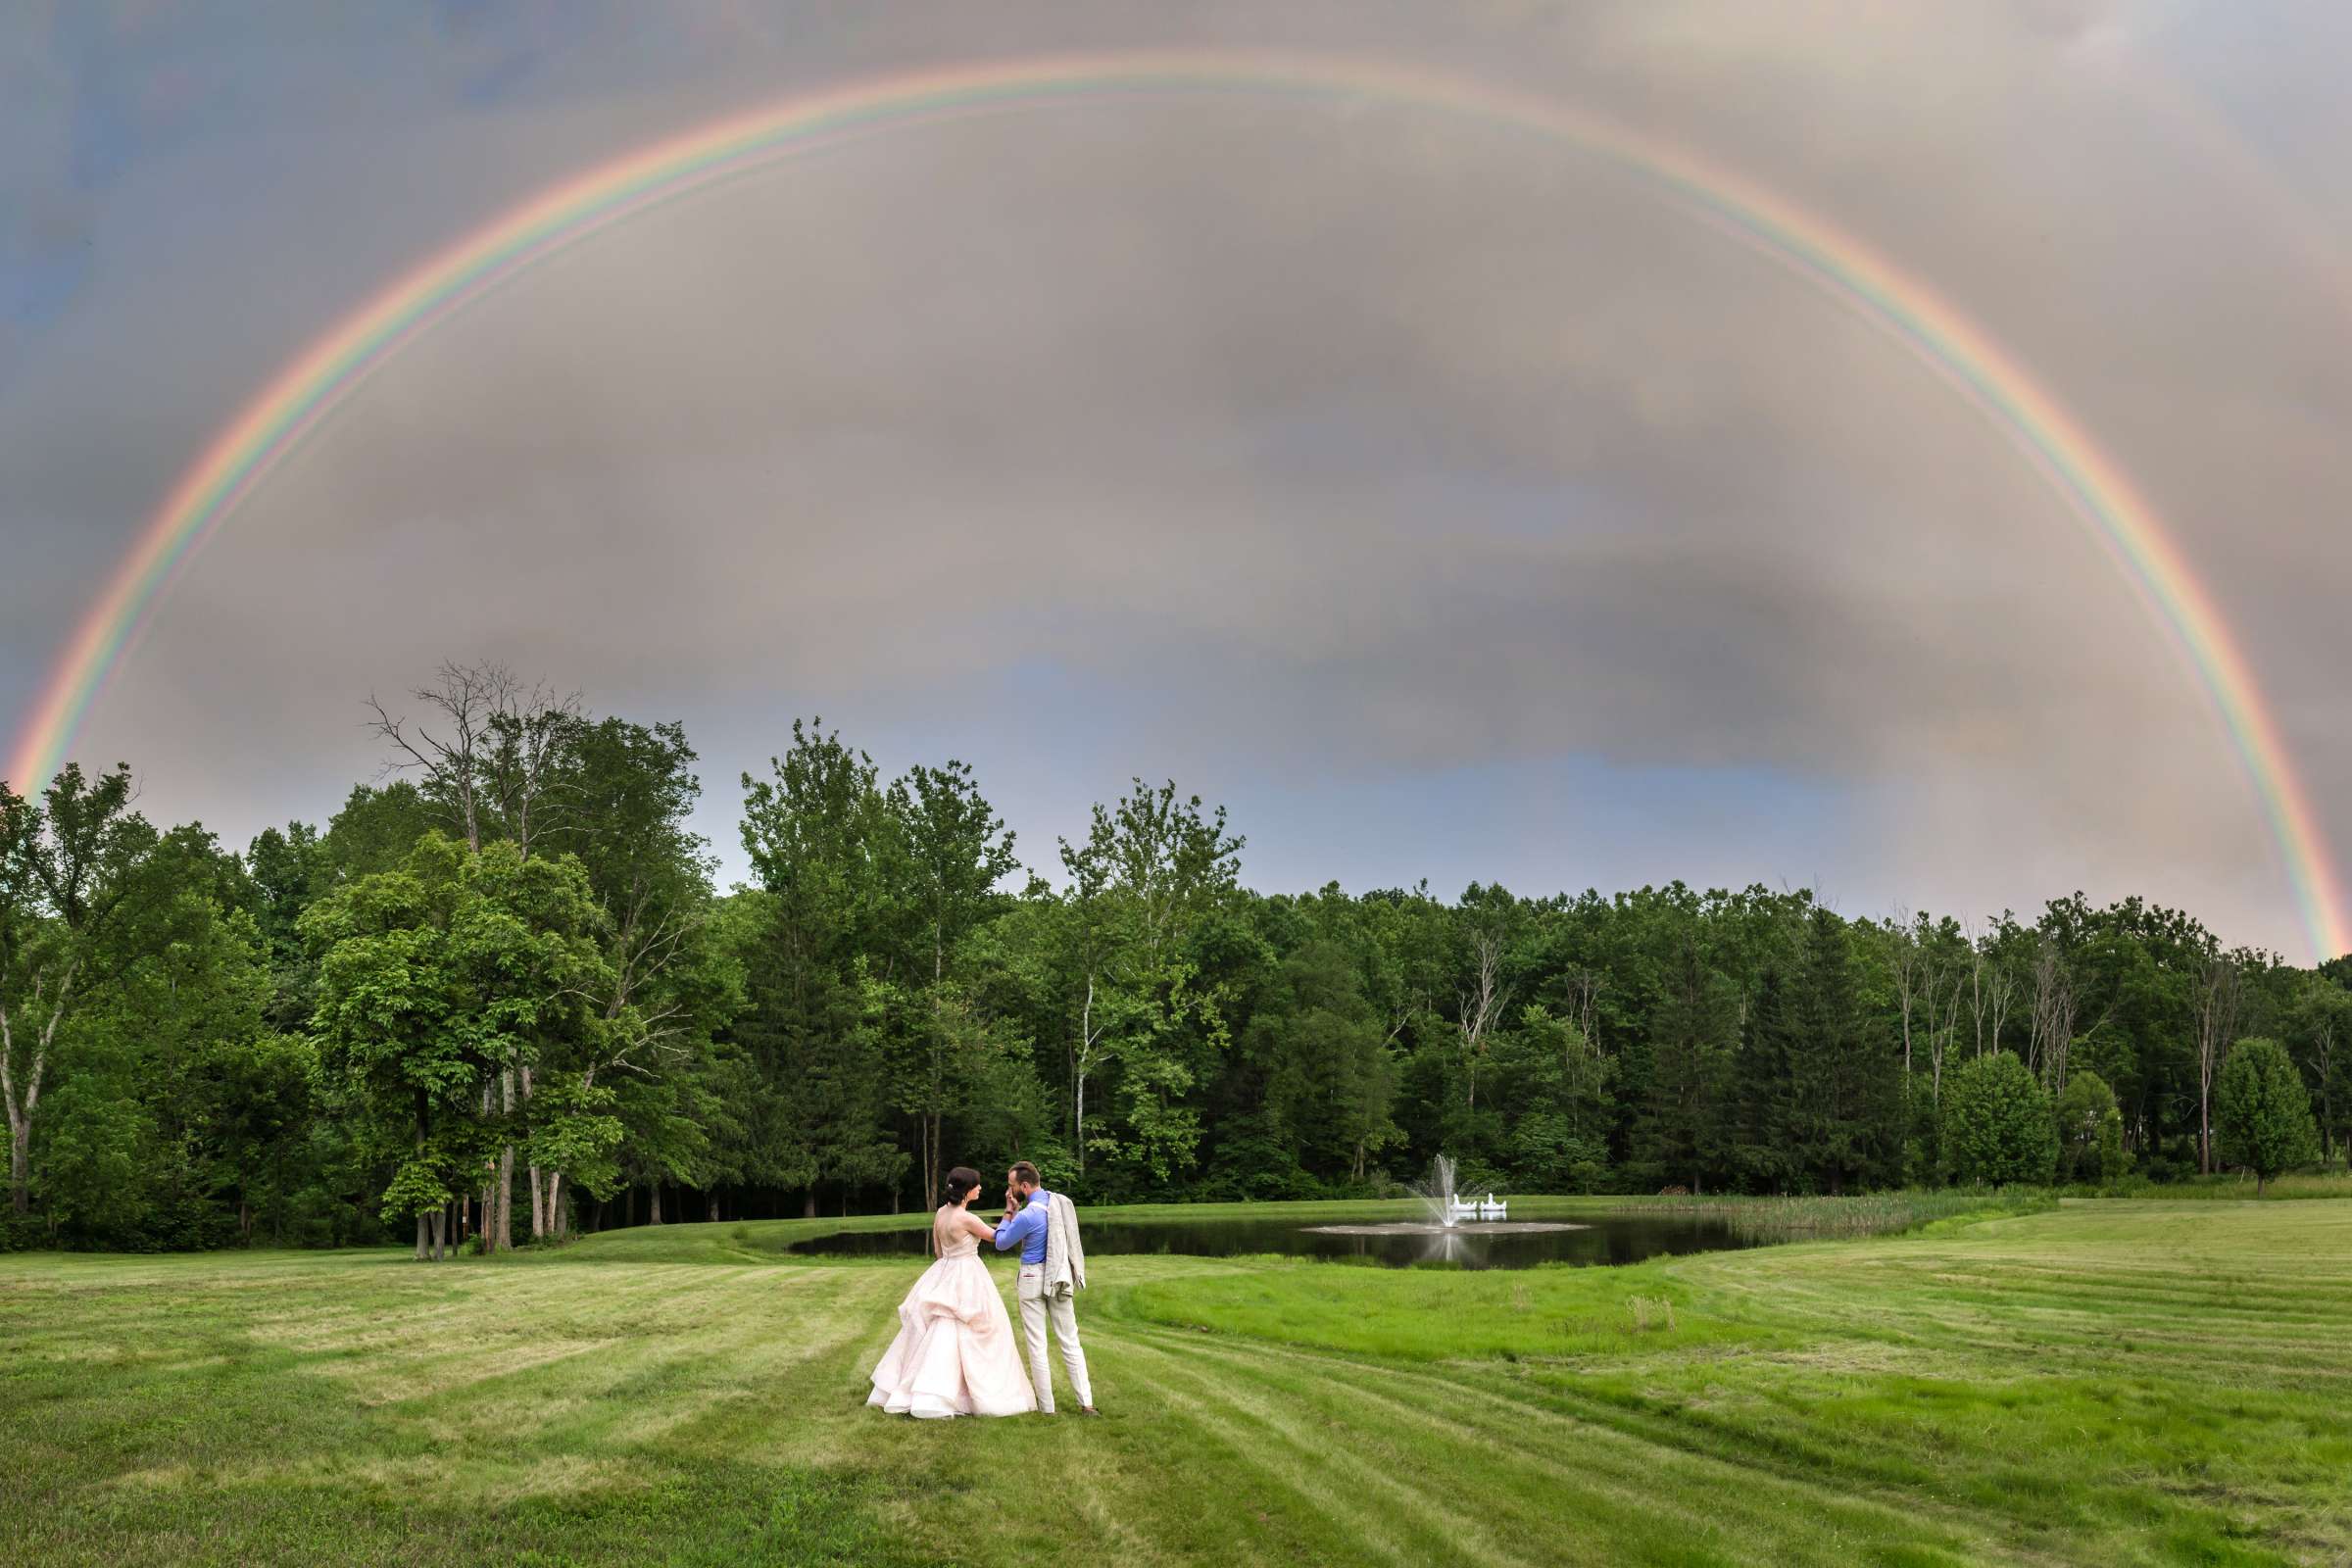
(2109, 1381)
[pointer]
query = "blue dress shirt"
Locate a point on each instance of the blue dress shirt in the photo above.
(1028, 1228)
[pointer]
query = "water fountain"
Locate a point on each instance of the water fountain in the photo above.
(1445, 1207)
(1450, 1214)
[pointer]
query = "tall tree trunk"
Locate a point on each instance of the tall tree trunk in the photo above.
(808, 1205)
(713, 1206)
(654, 1217)
(19, 1166)
(20, 1111)
(422, 1231)
(504, 1226)
(542, 1221)
(1081, 1064)
(935, 1174)
(2216, 1023)
(502, 1229)
(545, 1218)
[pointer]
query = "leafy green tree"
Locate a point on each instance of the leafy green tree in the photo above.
(289, 871)
(622, 811)
(99, 1156)
(1325, 1083)
(825, 848)
(436, 979)
(1151, 876)
(2322, 1023)
(2265, 1115)
(1566, 1088)
(1997, 1123)
(259, 1120)
(375, 831)
(2084, 1109)
(397, 1032)
(954, 851)
(88, 891)
(155, 1045)
(2115, 1161)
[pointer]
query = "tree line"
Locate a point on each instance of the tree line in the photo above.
(500, 994)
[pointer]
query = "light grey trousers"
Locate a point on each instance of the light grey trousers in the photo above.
(1035, 1308)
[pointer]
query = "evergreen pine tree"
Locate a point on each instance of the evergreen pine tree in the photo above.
(1691, 1050)
(1763, 1155)
(1844, 1093)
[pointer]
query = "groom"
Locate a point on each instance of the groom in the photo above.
(1053, 1271)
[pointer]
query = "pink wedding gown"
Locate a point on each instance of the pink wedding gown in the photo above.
(956, 1353)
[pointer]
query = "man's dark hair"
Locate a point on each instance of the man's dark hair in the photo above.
(1024, 1172)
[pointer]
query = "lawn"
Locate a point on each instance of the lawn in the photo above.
(2107, 1382)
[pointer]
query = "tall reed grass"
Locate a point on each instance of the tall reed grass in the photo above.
(1793, 1219)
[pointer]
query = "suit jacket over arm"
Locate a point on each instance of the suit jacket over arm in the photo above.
(1066, 1257)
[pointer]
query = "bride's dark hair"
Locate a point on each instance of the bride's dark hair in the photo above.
(960, 1181)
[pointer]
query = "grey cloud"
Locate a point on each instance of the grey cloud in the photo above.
(1331, 458)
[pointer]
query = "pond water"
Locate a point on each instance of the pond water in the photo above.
(1590, 1240)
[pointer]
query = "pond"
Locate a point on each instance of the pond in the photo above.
(1596, 1238)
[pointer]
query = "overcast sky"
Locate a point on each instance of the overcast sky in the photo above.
(1443, 503)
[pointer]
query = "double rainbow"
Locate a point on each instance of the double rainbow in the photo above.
(2093, 489)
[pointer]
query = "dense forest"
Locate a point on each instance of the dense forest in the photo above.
(502, 979)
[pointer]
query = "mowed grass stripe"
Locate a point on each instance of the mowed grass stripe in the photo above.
(637, 1388)
(1597, 1478)
(1369, 1528)
(1510, 1525)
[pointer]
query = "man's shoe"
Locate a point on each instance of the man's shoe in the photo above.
(1087, 1410)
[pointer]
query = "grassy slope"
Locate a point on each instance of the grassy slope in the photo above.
(2115, 1382)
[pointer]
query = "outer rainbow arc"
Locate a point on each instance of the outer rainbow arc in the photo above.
(2093, 488)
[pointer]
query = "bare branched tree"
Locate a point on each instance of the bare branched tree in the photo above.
(2053, 1009)
(1910, 966)
(1975, 985)
(2000, 990)
(1482, 1003)
(449, 755)
(491, 755)
(2216, 1004)
(534, 734)
(1584, 999)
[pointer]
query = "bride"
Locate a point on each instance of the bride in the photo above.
(955, 1353)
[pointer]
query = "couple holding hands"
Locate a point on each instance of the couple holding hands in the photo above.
(953, 1355)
